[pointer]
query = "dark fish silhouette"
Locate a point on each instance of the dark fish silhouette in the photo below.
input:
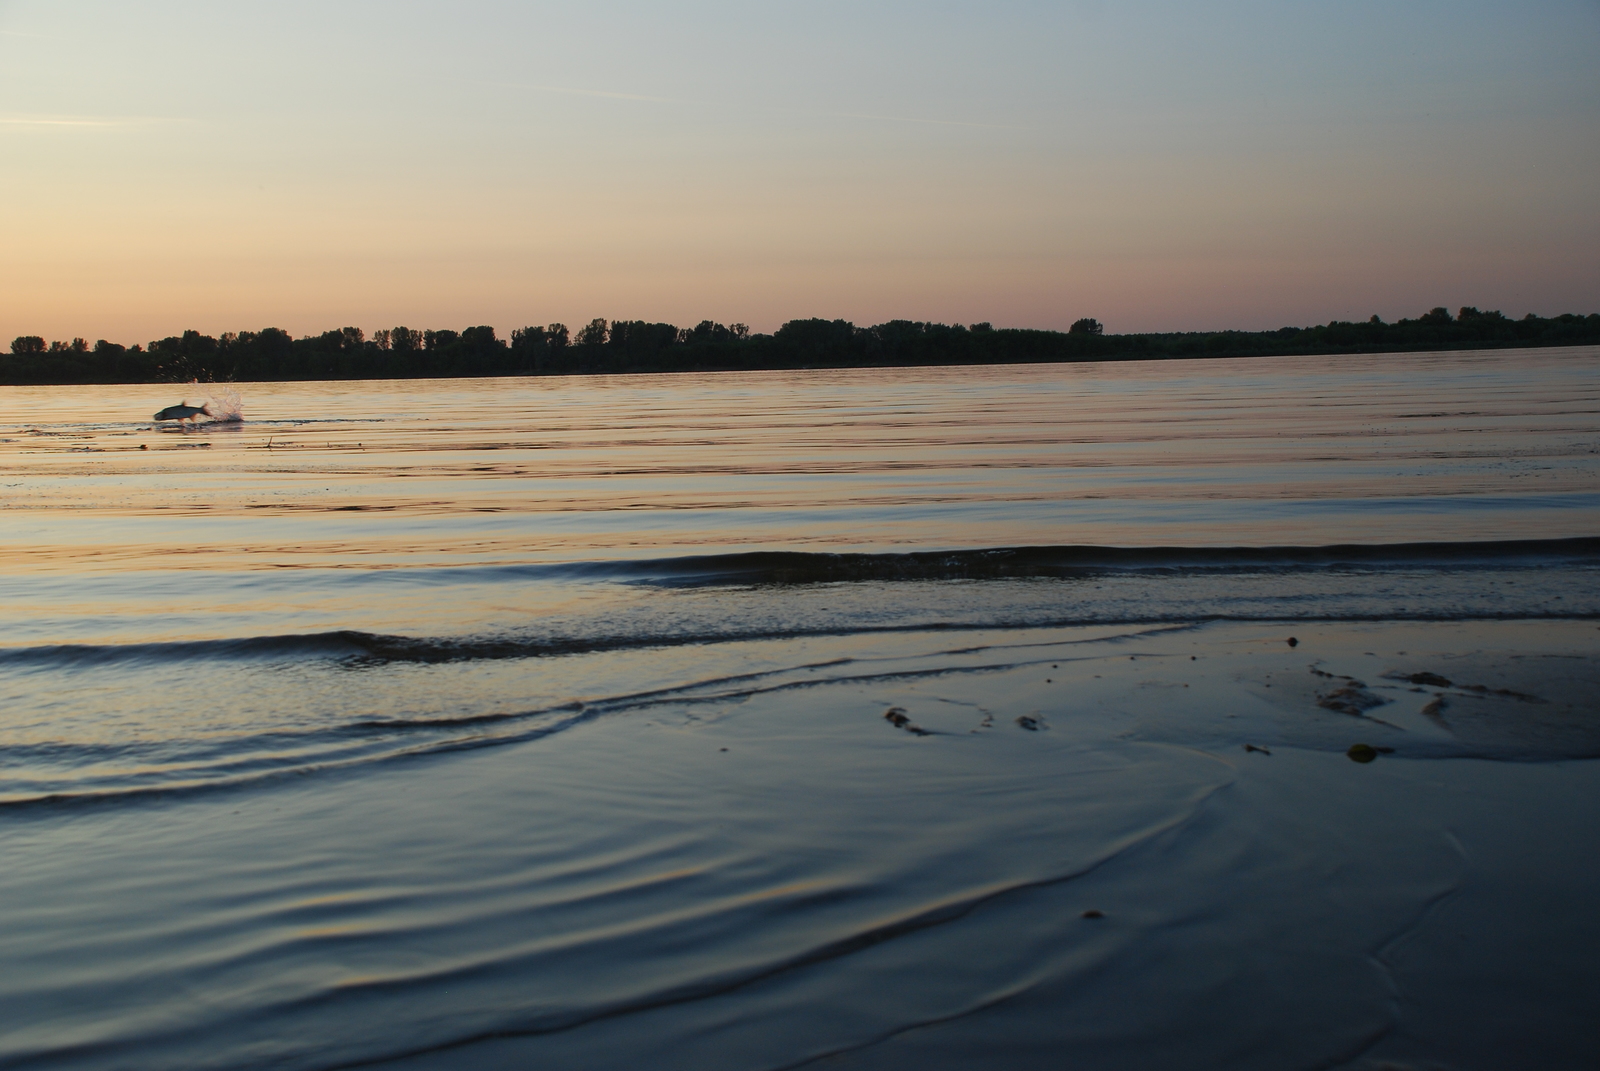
(183, 412)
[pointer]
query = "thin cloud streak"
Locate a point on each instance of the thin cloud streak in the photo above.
(80, 121)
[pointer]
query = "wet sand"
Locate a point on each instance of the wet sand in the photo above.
(1111, 847)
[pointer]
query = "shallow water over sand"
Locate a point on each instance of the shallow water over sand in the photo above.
(496, 722)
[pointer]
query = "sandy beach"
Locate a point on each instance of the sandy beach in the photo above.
(1138, 846)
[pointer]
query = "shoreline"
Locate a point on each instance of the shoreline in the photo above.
(208, 360)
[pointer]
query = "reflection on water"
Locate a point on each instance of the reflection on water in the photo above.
(1301, 451)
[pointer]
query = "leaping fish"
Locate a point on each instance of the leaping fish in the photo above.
(183, 412)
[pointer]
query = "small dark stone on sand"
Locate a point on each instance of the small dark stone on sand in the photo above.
(897, 717)
(722, 749)
(1293, 642)
(1092, 913)
(1030, 724)
(1252, 747)
(1362, 752)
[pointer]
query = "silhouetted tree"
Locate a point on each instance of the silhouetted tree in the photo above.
(530, 346)
(1437, 315)
(639, 339)
(480, 352)
(346, 340)
(706, 331)
(180, 358)
(595, 334)
(479, 336)
(816, 340)
(27, 344)
(1086, 326)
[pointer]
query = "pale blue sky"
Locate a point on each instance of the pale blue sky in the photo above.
(1157, 165)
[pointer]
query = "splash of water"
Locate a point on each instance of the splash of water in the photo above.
(224, 403)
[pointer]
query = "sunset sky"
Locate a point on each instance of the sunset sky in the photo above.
(167, 164)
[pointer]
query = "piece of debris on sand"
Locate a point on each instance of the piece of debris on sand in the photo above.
(897, 717)
(1351, 698)
(1432, 680)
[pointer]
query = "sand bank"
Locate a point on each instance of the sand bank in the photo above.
(1104, 847)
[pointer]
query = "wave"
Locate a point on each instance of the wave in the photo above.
(1336, 596)
(247, 768)
(361, 649)
(355, 649)
(181, 767)
(1068, 561)
(47, 775)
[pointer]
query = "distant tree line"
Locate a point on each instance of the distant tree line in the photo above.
(637, 346)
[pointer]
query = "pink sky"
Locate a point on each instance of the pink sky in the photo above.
(168, 165)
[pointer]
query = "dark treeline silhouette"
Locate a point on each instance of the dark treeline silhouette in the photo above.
(638, 346)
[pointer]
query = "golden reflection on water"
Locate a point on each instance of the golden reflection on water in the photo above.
(380, 474)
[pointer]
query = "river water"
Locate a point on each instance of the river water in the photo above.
(515, 722)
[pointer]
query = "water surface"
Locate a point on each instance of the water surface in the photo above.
(521, 720)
